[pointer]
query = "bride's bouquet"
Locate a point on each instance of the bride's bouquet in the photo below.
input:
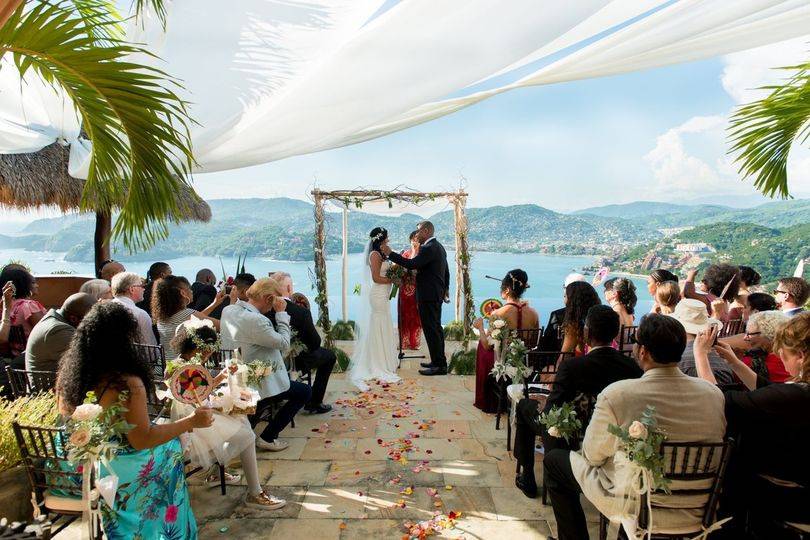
(396, 274)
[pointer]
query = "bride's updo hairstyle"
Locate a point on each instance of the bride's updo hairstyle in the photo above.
(377, 237)
(516, 282)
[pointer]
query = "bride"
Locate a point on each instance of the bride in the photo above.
(375, 353)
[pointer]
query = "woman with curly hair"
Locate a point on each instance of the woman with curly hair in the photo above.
(230, 436)
(768, 477)
(579, 298)
(621, 295)
(171, 296)
(152, 500)
(759, 335)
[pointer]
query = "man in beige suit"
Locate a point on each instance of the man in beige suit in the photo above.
(688, 409)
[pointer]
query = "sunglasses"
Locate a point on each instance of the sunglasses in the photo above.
(777, 291)
(749, 334)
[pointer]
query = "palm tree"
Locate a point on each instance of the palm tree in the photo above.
(141, 157)
(764, 131)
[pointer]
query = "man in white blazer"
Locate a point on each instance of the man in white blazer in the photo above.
(688, 409)
(243, 326)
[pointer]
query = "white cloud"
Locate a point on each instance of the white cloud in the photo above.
(691, 158)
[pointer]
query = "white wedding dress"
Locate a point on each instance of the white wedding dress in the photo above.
(375, 354)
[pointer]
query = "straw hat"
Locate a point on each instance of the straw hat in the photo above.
(691, 313)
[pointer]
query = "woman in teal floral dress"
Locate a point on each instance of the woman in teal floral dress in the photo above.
(152, 501)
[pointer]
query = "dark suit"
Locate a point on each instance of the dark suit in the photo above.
(315, 357)
(432, 284)
(583, 375)
(551, 340)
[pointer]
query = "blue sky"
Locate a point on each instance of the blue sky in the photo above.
(652, 135)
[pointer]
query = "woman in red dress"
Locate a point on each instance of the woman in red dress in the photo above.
(410, 325)
(518, 315)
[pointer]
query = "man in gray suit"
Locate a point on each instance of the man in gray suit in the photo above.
(51, 336)
(687, 409)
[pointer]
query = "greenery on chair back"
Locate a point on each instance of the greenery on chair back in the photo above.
(139, 127)
(462, 362)
(36, 410)
(764, 131)
(454, 331)
(342, 330)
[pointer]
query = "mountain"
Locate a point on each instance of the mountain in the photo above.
(283, 228)
(645, 209)
(667, 215)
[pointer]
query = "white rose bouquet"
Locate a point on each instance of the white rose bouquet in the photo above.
(94, 432)
(641, 443)
(561, 422)
(512, 361)
(258, 370)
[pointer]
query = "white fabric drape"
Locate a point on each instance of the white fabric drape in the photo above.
(269, 79)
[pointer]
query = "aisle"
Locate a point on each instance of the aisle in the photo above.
(382, 459)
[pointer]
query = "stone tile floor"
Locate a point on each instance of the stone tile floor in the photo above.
(397, 454)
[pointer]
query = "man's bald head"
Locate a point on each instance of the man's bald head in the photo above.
(110, 269)
(76, 307)
(206, 275)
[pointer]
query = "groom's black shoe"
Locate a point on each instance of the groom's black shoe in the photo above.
(433, 371)
(426, 364)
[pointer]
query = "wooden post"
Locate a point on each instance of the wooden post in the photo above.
(322, 298)
(101, 239)
(463, 261)
(345, 269)
(457, 217)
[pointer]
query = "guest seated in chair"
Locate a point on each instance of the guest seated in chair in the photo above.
(576, 377)
(152, 482)
(579, 298)
(687, 409)
(244, 326)
(51, 337)
(315, 357)
(518, 315)
(769, 475)
(760, 331)
(551, 340)
(692, 315)
(230, 436)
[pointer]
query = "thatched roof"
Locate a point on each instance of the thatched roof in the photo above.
(41, 179)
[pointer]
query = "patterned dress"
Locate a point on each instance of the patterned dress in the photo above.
(152, 501)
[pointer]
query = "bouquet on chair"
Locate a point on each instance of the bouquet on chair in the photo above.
(512, 360)
(95, 432)
(258, 370)
(561, 422)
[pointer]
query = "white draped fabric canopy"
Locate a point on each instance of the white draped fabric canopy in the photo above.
(269, 79)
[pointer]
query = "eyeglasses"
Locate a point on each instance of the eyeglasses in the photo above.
(749, 334)
(777, 291)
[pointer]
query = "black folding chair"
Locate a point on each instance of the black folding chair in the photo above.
(155, 357)
(731, 328)
(627, 337)
(40, 530)
(700, 468)
(27, 382)
(17, 340)
(529, 336)
(57, 488)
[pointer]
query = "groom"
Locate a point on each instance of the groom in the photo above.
(432, 286)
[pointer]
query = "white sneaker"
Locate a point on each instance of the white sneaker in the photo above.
(274, 446)
(264, 501)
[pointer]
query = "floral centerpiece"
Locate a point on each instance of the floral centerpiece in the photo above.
(562, 422)
(257, 370)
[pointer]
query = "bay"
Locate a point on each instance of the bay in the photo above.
(546, 275)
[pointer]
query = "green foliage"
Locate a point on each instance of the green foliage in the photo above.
(36, 410)
(141, 155)
(564, 421)
(342, 358)
(462, 362)
(763, 132)
(342, 330)
(645, 451)
(454, 331)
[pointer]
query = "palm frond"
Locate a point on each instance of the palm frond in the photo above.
(139, 126)
(764, 131)
(158, 6)
(101, 19)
